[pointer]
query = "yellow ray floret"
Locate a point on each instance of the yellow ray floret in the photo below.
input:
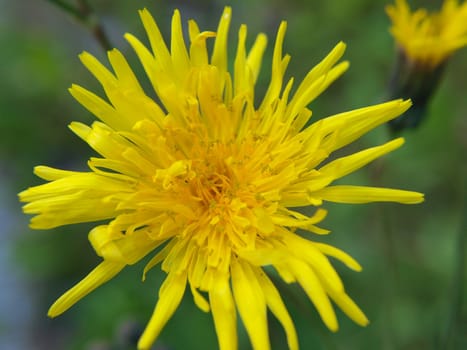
(208, 181)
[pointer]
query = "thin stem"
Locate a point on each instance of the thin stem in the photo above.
(457, 292)
(84, 14)
(388, 242)
(94, 25)
(69, 9)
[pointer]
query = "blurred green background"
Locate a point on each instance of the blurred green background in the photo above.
(412, 287)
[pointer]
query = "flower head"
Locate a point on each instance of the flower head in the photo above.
(210, 183)
(429, 39)
(425, 42)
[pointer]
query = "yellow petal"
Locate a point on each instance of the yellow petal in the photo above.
(312, 286)
(100, 108)
(126, 78)
(160, 256)
(241, 71)
(178, 50)
(125, 95)
(156, 40)
(251, 304)
(279, 65)
(305, 250)
(346, 165)
(224, 313)
(128, 249)
(80, 197)
(277, 307)
(152, 67)
(100, 72)
(295, 219)
(198, 50)
(349, 307)
(199, 300)
(219, 54)
(100, 236)
(345, 258)
(170, 296)
(353, 124)
(51, 174)
(255, 55)
(321, 68)
(314, 89)
(101, 274)
(101, 138)
(362, 194)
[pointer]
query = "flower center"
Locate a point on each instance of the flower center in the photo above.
(213, 182)
(214, 188)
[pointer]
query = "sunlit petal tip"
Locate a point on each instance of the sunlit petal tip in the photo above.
(83, 54)
(116, 59)
(22, 196)
(339, 49)
(144, 12)
(36, 223)
(397, 142)
(365, 322)
(79, 129)
(170, 296)
(406, 104)
(419, 198)
(344, 66)
(199, 300)
(227, 13)
(333, 327)
(281, 31)
(85, 57)
(40, 169)
(356, 267)
(101, 274)
(54, 312)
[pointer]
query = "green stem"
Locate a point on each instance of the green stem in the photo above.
(68, 9)
(390, 254)
(386, 216)
(84, 14)
(457, 292)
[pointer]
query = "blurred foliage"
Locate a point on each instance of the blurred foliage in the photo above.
(408, 252)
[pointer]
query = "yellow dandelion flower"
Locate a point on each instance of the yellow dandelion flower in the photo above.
(429, 38)
(425, 42)
(210, 183)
